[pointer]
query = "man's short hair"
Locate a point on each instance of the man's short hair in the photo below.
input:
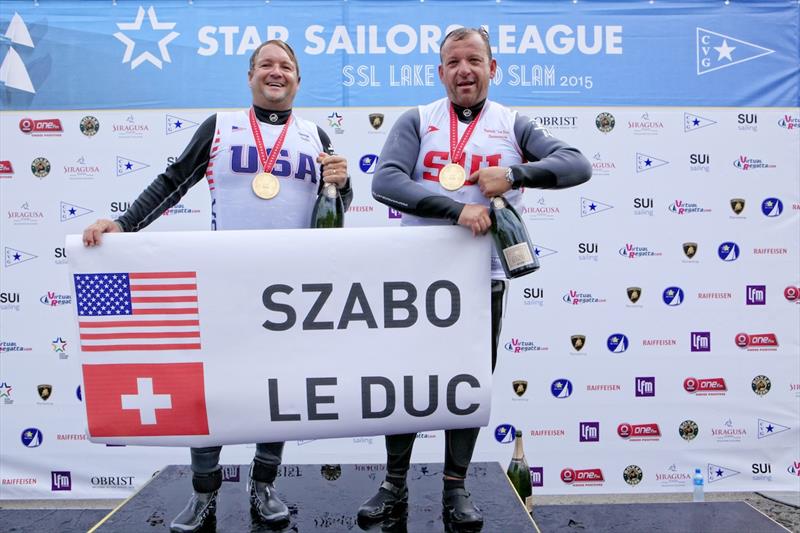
(280, 44)
(462, 33)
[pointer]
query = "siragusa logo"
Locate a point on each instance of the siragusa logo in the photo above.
(504, 433)
(728, 251)
(561, 388)
(617, 343)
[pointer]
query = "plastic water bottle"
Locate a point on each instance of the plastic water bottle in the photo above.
(697, 495)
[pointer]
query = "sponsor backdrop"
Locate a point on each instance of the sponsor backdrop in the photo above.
(661, 333)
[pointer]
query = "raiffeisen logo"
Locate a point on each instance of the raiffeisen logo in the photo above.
(716, 51)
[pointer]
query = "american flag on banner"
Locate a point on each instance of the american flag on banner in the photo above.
(138, 311)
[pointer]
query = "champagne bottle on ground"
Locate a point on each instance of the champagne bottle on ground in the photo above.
(511, 239)
(519, 474)
(328, 210)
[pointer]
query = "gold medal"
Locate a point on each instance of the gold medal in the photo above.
(266, 186)
(452, 177)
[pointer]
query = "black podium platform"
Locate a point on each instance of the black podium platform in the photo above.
(321, 498)
(708, 517)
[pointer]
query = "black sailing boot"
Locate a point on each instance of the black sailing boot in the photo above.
(458, 511)
(202, 507)
(389, 501)
(264, 501)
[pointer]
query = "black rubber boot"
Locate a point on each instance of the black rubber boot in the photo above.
(389, 502)
(202, 507)
(264, 501)
(458, 511)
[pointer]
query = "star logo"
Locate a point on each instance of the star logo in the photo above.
(126, 166)
(136, 26)
(695, 122)
(5, 391)
(542, 251)
(14, 257)
(177, 124)
(717, 50)
(59, 345)
(717, 472)
(646, 162)
(70, 211)
(335, 120)
(768, 429)
(591, 207)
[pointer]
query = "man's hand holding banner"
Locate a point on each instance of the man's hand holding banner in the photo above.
(208, 338)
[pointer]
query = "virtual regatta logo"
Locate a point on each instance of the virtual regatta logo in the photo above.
(682, 207)
(750, 163)
(788, 122)
(519, 346)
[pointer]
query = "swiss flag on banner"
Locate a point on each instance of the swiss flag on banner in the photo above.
(126, 400)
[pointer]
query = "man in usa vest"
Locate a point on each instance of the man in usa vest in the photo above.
(440, 165)
(260, 165)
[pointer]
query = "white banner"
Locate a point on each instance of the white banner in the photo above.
(207, 338)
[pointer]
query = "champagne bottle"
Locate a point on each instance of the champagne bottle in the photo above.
(511, 239)
(519, 474)
(328, 210)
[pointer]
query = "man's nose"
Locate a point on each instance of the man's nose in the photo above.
(463, 68)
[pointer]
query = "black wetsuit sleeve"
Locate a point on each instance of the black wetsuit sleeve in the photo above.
(346, 192)
(552, 164)
(392, 184)
(170, 186)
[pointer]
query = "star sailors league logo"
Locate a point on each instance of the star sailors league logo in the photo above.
(717, 50)
(136, 56)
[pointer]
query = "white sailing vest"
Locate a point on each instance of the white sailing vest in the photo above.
(234, 163)
(492, 144)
